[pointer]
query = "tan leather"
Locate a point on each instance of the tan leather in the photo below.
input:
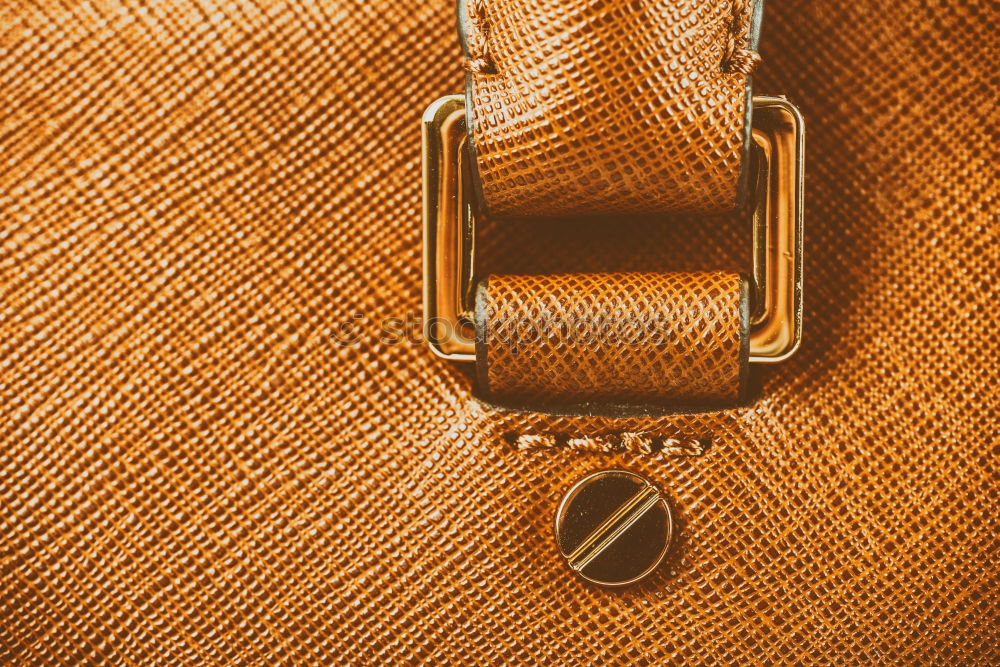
(584, 108)
(610, 107)
(630, 339)
(196, 200)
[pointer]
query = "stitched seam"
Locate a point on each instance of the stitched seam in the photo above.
(625, 442)
(737, 58)
(479, 60)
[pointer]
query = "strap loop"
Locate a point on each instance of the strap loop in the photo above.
(653, 339)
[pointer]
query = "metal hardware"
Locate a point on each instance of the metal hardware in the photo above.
(613, 527)
(450, 219)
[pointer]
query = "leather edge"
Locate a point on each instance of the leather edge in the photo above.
(472, 155)
(606, 410)
(753, 40)
(744, 381)
(482, 350)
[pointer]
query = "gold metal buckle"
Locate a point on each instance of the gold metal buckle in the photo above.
(450, 223)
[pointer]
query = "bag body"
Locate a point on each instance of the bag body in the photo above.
(224, 441)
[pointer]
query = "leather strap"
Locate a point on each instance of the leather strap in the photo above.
(576, 107)
(618, 106)
(647, 340)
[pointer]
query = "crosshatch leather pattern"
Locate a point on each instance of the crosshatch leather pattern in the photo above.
(630, 338)
(583, 107)
(199, 465)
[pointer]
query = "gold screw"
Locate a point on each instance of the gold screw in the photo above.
(613, 527)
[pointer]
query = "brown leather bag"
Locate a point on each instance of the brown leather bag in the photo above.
(224, 439)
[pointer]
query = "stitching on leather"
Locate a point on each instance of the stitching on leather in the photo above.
(628, 442)
(479, 60)
(737, 58)
(742, 61)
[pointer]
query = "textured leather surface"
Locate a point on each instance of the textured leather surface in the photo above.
(616, 106)
(196, 466)
(640, 339)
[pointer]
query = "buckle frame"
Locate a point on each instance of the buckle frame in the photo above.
(449, 217)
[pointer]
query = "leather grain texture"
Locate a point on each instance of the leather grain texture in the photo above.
(655, 339)
(583, 107)
(200, 464)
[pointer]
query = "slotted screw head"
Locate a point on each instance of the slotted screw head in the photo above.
(614, 527)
